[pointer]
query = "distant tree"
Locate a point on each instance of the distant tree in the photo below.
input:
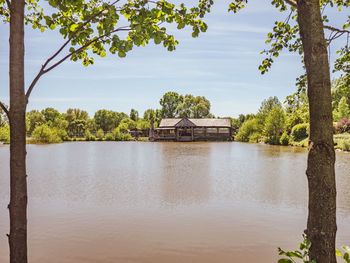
(340, 89)
(46, 134)
(143, 124)
(266, 107)
(128, 123)
(342, 111)
(170, 103)
(250, 131)
(5, 133)
(274, 125)
(34, 118)
(108, 120)
(201, 107)
(297, 109)
(50, 115)
(149, 115)
(194, 107)
(134, 115)
(77, 122)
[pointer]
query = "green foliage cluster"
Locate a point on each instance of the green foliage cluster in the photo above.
(4, 128)
(5, 133)
(175, 105)
(302, 254)
(342, 141)
(46, 134)
(288, 124)
(267, 125)
(300, 132)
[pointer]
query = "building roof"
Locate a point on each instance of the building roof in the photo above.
(177, 122)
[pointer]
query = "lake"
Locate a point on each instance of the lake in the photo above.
(111, 202)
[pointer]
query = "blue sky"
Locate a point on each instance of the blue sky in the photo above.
(222, 64)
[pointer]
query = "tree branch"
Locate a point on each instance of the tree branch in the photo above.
(3, 107)
(334, 29)
(84, 47)
(75, 33)
(44, 70)
(8, 4)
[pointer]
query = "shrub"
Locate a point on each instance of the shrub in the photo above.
(343, 126)
(342, 141)
(302, 254)
(255, 137)
(109, 137)
(45, 134)
(284, 140)
(274, 125)
(249, 128)
(89, 136)
(100, 134)
(121, 136)
(5, 133)
(300, 132)
(344, 145)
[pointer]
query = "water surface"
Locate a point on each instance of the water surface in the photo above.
(166, 202)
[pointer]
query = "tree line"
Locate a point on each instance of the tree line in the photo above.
(51, 126)
(289, 123)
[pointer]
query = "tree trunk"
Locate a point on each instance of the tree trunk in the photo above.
(18, 180)
(321, 224)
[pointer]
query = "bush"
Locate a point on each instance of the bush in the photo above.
(342, 141)
(109, 137)
(45, 134)
(89, 136)
(255, 137)
(121, 136)
(342, 126)
(5, 133)
(100, 134)
(284, 140)
(249, 128)
(300, 132)
(274, 125)
(344, 145)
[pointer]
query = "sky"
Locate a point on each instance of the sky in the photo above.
(221, 64)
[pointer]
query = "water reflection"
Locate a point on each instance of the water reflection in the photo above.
(185, 173)
(166, 202)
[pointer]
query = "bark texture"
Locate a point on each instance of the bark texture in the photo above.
(18, 180)
(321, 225)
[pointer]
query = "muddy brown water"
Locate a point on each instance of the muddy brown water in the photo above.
(166, 202)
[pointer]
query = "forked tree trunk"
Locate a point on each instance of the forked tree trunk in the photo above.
(321, 224)
(18, 180)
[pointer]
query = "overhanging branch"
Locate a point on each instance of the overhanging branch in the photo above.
(8, 4)
(44, 70)
(338, 30)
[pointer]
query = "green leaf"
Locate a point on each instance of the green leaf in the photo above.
(285, 260)
(122, 54)
(338, 253)
(73, 27)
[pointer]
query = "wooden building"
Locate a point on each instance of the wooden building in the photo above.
(193, 130)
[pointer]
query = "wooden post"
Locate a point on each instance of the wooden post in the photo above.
(192, 133)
